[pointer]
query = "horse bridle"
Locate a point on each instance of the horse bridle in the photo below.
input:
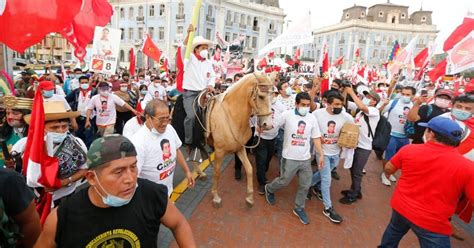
(254, 96)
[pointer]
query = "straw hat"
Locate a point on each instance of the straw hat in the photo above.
(199, 40)
(13, 102)
(55, 110)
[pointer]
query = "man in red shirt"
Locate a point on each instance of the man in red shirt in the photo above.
(430, 185)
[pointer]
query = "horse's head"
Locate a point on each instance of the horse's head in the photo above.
(262, 99)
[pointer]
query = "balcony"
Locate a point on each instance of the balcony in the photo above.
(256, 28)
(362, 41)
(210, 19)
(242, 26)
(140, 19)
(228, 23)
(180, 16)
(272, 31)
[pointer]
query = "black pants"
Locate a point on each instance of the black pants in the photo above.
(361, 156)
(238, 163)
(122, 118)
(263, 155)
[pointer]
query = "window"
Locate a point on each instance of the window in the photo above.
(271, 26)
(180, 30)
(140, 33)
(423, 19)
(209, 10)
(152, 10)
(236, 17)
(381, 14)
(130, 33)
(254, 42)
(341, 51)
(318, 53)
(394, 19)
(161, 33)
(249, 20)
(151, 32)
(140, 10)
(122, 34)
(122, 13)
(242, 19)
(227, 36)
(122, 56)
(347, 15)
(229, 16)
(208, 33)
(234, 37)
(383, 55)
(375, 53)
(162, 9)
(181, 8)
(130, 13)
(247, 41)
(402, 16)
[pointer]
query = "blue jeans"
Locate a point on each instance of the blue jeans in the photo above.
(323, 176)
(394, 145)
(399, 226)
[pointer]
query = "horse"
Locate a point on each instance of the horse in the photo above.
(227, 124)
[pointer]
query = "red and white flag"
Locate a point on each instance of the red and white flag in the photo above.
(460, 32)
(132, 62)
(357, 53)
(461, 56)
(339, 61)
(324, 63)
(404, 57)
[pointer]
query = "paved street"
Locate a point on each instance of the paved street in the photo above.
(234, 225)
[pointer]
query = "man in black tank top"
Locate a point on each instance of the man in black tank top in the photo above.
(117, 210)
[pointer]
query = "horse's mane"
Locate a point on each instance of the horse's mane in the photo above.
(237, 85)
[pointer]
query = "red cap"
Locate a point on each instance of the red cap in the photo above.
(46, 85)
(445, 92)
(469, 86)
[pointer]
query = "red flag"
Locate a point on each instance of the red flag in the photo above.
(132, 61)
(271, 54)
(357, 53)
(339, 61)
(420, 58)
(361, 72)
(151, 50)
(263, 63)
(459, 33)
(325, 65)
(297, 55)
(179, 70)
(438, 71)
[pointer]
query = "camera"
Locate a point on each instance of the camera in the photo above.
(345, 83)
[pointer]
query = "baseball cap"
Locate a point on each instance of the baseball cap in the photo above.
(109, 148)
(443, 92)
(444, 126)
(46, 85)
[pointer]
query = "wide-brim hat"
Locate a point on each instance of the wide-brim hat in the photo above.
(55, 110)
(13, 102)
(199, 40)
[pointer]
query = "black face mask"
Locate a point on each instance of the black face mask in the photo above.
(336, 111)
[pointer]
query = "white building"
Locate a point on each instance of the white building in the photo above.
(373, 30)
(166, 21)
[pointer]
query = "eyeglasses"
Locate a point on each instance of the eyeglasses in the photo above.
(163, 119)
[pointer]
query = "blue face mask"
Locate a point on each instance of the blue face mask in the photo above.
(366, 101)
(461, 115)
(143, 92)
(303, 111)
(289, 91)
(48, 93)
(111, 200)
(405, 99)
(57, 138)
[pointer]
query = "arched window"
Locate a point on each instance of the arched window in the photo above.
(162, 9)
(152, 10)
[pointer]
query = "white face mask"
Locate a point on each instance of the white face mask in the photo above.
(442, 103)
(303, 111)
(123, 88)
(366, 101)
(203, 53)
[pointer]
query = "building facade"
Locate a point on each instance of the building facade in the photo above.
(52, 48)
(373, 30)
(166, 21)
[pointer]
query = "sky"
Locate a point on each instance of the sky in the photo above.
(447, 14)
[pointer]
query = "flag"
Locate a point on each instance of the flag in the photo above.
(131, 55)
(339, 61)
(421, 57)
(461, 56)
(403, 57)
(179, 70)
(151, 50)
(357, 53)
(459, 33)
(7, 83)
(324, 63)
(438, 71)
(393, 52)
(41, 170)
(263, 63)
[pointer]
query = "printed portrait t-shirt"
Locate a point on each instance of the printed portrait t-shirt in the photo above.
(299, 132)
(398, 116)
(156, 155)
(105, 108)
(330, 127)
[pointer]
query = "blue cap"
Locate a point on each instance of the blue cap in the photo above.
(444, 126)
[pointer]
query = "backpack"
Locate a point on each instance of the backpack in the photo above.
(382, 133)
(410, 126)
(9, 231)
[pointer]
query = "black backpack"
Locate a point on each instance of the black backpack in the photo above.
(382, 133)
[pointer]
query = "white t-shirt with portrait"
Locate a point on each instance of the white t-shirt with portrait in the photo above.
(156, 155)
(106, 113)
(365, 142)
(330, 127)
(299, 132)
(398, 116)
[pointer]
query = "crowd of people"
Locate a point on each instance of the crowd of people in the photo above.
(117, 151)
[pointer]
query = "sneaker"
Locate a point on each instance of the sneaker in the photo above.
(261, 189)
(269, 196)
(301, 215)
(347, 200)
(317, 192)
(238, 175)
(385, 180)
(332, 215)
(335, 175)
(392, 178)
(364, 171)
(345, 192)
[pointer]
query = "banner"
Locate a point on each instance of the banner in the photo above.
(461, 56)
(297, 34)
(105, 50)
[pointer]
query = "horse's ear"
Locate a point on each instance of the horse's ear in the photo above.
(273, 76)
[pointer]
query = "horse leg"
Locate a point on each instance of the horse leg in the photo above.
(248, 170)
(216, 201)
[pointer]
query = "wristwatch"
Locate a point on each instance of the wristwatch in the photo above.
(70, 181)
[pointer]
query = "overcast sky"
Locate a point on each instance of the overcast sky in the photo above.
(447, 14)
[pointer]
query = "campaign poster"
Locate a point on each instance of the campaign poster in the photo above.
(105, 50)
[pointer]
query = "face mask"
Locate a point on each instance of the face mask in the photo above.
(289, 91)
(48, 93)
(442, 103)
(366, 101)
(143, 92)
(78, 76)
(111, 200)
(104, 93)
(405, 99)
(203, 54)
(461, 115)
(303, 110)
(57, 138)
(84, 86)
(123, 88)
(336, 111)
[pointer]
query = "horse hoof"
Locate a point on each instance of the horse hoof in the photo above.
(216, 204)
(203, 177)
(249, 203)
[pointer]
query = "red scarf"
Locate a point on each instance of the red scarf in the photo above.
(84, 92)
(199, 57)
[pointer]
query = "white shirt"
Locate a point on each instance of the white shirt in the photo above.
(398, 116)
(288, 102)
(156, 155)
(299, 132)
(83, 102)
(60, 91)
(198, 74)
(58, 98)
(131, 127)
(330, 127)
(73, 84)
(154, 92)
(365, 142)
(272, 133)
(105, 108)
